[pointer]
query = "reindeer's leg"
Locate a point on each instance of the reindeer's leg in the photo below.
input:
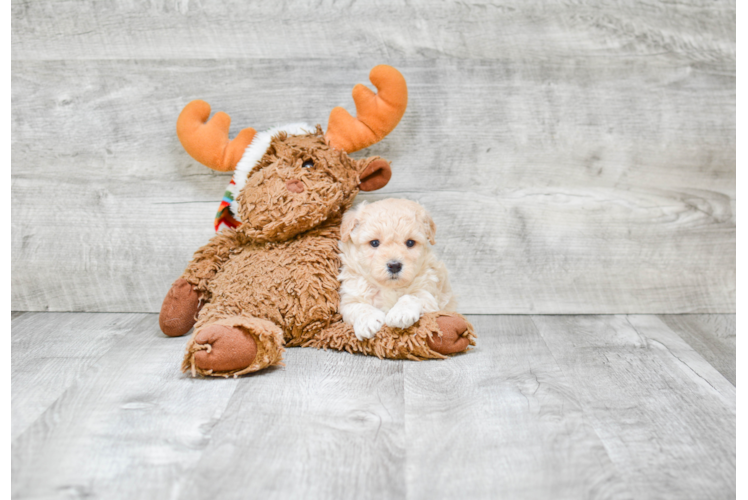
(232, 345)
(434, 336)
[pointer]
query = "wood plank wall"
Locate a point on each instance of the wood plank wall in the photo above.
(578, 157)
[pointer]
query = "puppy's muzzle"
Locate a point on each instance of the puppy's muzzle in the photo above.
(394, 267)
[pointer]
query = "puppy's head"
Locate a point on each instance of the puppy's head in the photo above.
(388, 240)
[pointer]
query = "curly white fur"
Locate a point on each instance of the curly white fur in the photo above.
(391, 283)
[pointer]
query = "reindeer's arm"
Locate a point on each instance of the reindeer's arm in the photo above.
(188, 294)
(210, 258)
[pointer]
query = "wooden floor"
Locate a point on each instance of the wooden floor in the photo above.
(626, 406)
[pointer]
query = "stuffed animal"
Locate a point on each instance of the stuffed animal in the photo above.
(268, 279)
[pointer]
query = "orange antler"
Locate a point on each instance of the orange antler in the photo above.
(377, 114)
(209, 142)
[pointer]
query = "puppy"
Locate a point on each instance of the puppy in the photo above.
(389, 274)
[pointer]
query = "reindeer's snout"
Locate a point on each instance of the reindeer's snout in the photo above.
(295, 186)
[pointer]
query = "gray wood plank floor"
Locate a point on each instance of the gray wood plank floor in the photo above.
(741, 443)
(503, 422)
(711, 335)
(663, 413)
(624, 406)
(740, 341)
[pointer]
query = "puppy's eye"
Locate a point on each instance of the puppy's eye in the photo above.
(374, 243)
(307, 164)
(410, 243)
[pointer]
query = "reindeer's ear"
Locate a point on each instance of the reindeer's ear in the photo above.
(350, 221)
(375, 175)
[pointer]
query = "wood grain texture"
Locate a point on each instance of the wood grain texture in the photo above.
(740, 248)
(666, 416)
(739, 196)
(49, 352)
(544, 407)
(329, 425)
(741, 442)
(133, 267)
(711, 335)
(130, 426)
(98, 29)
(470, 125)
(502, 421)
(568, 187)
(740, 342)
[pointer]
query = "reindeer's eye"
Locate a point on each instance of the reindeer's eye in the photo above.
(374, 243)
(307, 164)
(410, 243)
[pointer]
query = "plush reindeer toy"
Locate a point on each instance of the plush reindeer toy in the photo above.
(268, 279)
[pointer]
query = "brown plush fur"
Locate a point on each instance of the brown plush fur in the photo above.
(275, 277)
(393, 343)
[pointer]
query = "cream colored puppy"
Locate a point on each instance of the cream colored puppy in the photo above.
(389, 274)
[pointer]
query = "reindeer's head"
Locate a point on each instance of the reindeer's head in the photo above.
(290, 179)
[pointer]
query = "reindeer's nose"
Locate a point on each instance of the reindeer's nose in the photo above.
(295, 186)
(394, 266)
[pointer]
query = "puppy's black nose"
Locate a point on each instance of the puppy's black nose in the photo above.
(394, 267)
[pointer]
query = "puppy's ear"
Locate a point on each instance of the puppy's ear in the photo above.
(350, 221)
(429, 226)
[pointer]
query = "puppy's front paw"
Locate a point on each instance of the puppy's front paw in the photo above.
(369, 324)
(405, 313)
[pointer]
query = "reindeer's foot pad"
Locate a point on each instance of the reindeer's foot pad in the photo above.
(179, 310)
(456, 335)
(223, 348)
(234, 346)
